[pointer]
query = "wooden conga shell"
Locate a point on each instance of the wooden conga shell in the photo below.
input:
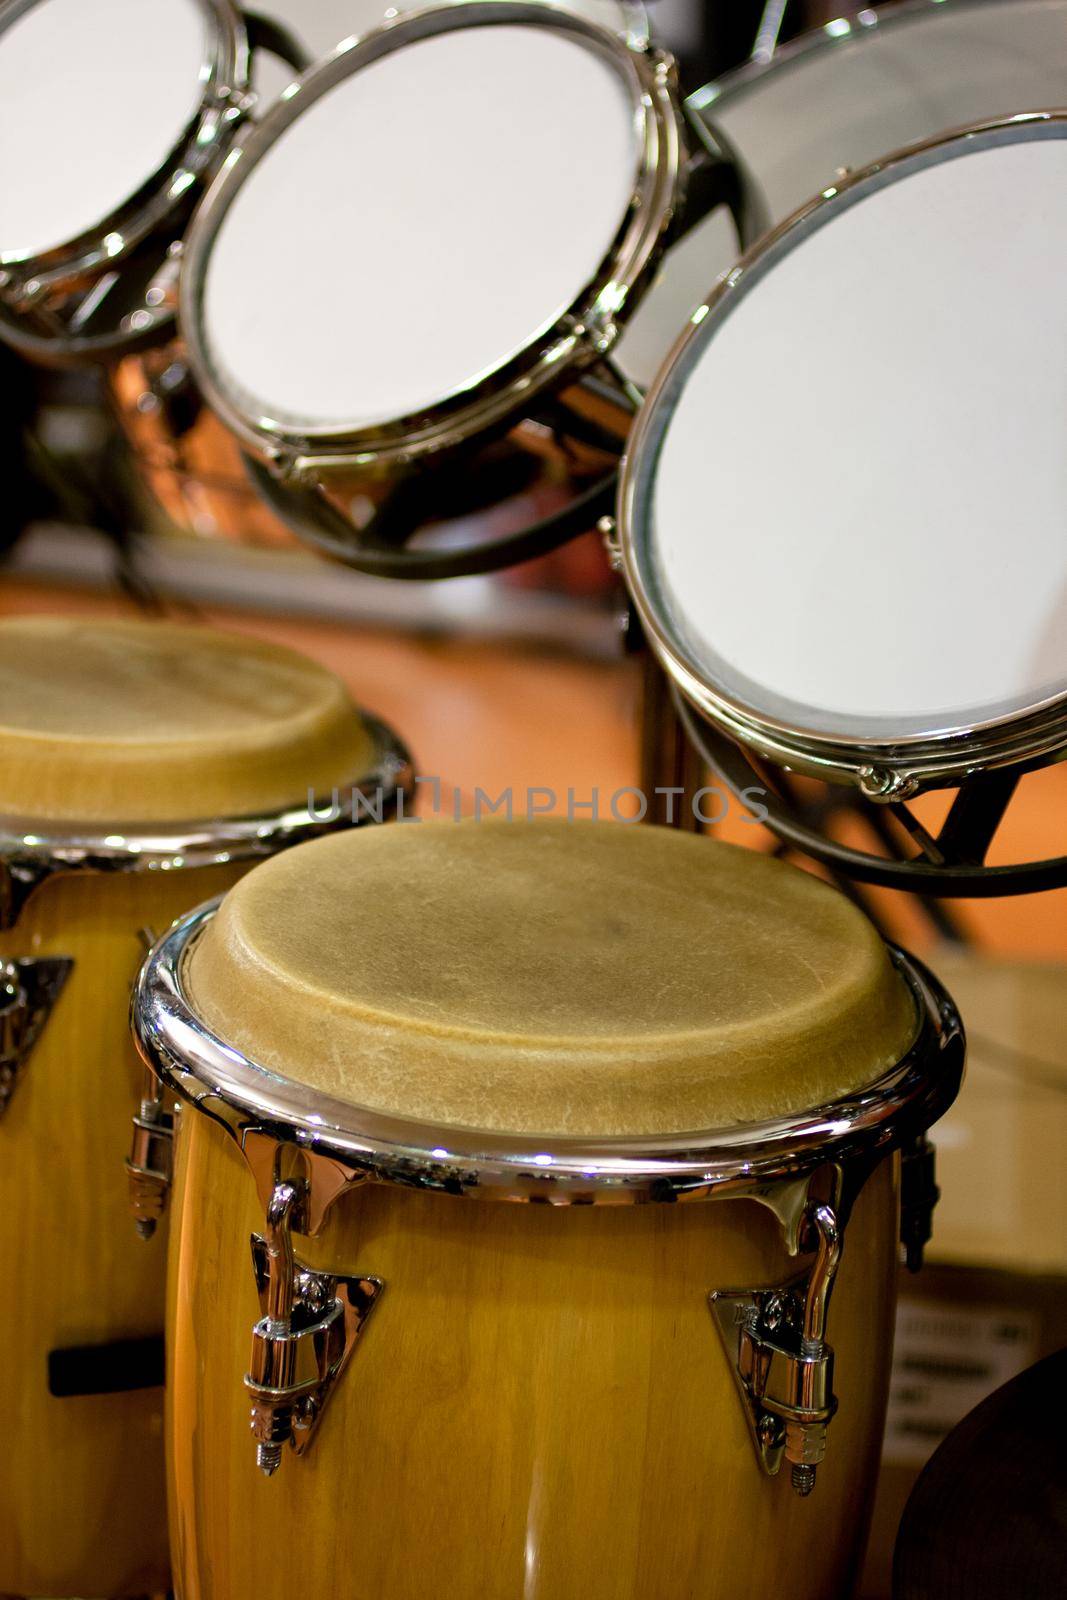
(143, 768)
(539, 1409)
(82, 1507)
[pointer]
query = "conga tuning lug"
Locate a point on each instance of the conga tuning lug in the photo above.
(321, 1180)
(29, 988)
(150, 1163)
(789, 1201)
(301, 1345)
(919, 1195)
(775, 1342)
(18, 880)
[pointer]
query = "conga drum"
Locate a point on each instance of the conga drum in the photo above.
(143, 766)
(613, 1387)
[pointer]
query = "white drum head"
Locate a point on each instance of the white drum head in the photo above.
(843, 97)
(417, 225)
(96, 95)
(847, 506)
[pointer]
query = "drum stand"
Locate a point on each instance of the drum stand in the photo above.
(951, 863)
(677, 754)
(671, 771)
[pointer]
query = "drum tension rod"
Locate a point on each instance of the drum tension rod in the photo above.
(308, 1330)
(150, 1163)
(775, 1340)
(919, 1195)
(29, 988)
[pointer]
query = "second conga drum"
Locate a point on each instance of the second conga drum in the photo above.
(607, 1392)
(143, 766)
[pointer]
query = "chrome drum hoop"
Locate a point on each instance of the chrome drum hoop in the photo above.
(29, 855)
(637, 30)
(834, 34)
(884, 769)
(582, 336)
(740, 1161)
(30, 281)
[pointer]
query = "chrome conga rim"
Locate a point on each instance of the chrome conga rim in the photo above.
(31, 851)
(249, 1098)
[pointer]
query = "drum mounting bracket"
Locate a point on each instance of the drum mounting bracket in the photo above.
(150, 1163)
(775, 1341)
(310, 1325)
(29, 988)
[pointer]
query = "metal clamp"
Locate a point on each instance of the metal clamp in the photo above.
(776, 1342)
(150, 1163)
(29, 988)
(919, 1195)
(305, 1337)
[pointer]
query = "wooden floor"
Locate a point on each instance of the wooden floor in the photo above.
(491, 715)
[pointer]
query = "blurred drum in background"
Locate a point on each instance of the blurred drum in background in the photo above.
(590, 1393)
(90, 246)
(139, 118)
(885, 609)
(448, 366)
(142, 106)
(143, 767)
(192, 465)
(842, 97)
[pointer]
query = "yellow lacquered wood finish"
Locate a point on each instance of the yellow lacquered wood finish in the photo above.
(82, 1502)
(539, 1409)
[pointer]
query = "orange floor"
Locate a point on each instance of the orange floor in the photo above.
(490, 715)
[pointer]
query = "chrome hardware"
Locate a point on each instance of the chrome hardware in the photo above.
(29, 856)
(665, 65)
(320, 1178)
(606, 529)
(776, 1341)
(305, 1337)
(919, 1195)
(770, 26)
(160, 300)
(765, 1161)
(150, 1163)
(885, 785)
(18, 880)
(891, 766)
(574, 341)
(58, 282)
(29, 988)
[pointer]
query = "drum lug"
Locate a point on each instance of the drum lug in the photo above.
(596, 332)
(29, 988)
(18, 880)
(664, 65)
(309, 1328)
(775, 1341)
(919, 1195)
(609, 533)
(886, 785)
(150, 1163)
(237, 104)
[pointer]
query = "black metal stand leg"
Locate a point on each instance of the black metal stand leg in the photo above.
(671, 769)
